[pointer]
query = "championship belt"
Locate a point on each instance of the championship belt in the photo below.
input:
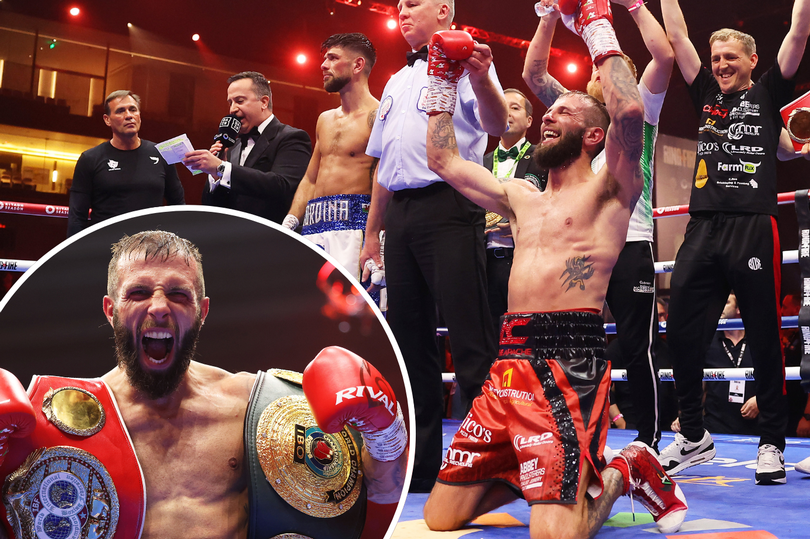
(304, 483)
(76, 476)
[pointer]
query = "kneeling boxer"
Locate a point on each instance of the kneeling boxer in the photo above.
(538, 429)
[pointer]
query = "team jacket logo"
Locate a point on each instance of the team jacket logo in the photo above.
(742, 166)
(357, 392)
(705, 148)
(739, 130)
(521, 442)
(113, 165)
(731, 149)
(715, 110)
(385, 107)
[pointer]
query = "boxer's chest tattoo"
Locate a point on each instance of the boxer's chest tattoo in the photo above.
(577, 271)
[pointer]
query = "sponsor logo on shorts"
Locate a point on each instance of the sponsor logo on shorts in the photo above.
(514, 394)
(474, 431)
(531, 476)
(804, 248)
(508, 326)
(754, 263)
(521, 442)
(457, 457)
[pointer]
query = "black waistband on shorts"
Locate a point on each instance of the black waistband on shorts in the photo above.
(561, 335)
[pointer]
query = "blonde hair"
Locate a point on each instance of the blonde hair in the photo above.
(726, 34)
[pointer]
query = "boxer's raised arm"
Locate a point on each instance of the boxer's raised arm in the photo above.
(535, 67)
(792, 49)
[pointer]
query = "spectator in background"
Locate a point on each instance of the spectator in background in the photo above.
(621, 398)
(512, 159)
(730, 407)
(122, 175)
(798, 401)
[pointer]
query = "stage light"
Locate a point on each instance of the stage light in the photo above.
(391, 24)
(129, 25)
(572, 68)
(195, 37)
(301, 58)
(52, 45)
(75, 11)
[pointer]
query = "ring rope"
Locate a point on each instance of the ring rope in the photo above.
(665, 375)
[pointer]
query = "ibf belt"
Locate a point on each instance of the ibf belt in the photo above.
(76, 476)
(337, 212)
(303, 482)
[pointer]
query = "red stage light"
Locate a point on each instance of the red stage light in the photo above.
(195, 37)
(391, 24)
(75, 11)
(301, 58)
(572, 68)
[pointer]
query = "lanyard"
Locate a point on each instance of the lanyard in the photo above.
(731, 357)
(514, 165)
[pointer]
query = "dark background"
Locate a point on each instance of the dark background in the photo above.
(265, 312)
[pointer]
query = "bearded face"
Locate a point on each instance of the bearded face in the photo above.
(336, 84)
(557, 154)
(154, 384)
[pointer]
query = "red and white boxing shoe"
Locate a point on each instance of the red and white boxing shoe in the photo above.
(646, 480)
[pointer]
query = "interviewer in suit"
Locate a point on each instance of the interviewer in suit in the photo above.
(263, 169)
(512, 159)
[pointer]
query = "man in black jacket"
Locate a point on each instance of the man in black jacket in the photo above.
(263, 169)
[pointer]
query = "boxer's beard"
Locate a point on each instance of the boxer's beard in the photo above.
(564, 150)
(336, 84)
(154, 385)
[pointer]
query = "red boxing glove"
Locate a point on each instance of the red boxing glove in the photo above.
(17, 417)
(594, 22)
(343, 388)
(445, 49)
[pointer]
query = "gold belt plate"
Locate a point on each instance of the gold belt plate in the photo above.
(317, 473)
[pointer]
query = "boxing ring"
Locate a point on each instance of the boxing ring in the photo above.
(800, 256)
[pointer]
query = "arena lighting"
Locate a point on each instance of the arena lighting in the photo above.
(301, 58)
(129, 25)
(391, 24)
(195, 37)
(75, 11)
(572, 67)
(36, 152)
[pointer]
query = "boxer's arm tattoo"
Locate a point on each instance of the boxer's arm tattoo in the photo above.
(628, 128)
(444, 136)
(577, 271)
(371, 116)
(548, 88)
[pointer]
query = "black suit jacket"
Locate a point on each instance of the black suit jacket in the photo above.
(526, 168)
(265, 186)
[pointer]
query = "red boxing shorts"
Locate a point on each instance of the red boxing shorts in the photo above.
(543, 408)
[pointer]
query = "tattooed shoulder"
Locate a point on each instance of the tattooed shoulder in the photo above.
(371, 116)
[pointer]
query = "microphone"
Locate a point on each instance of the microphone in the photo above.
(229, 128)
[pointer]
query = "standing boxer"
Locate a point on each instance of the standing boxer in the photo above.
(631, 292)
(334, 195)
(433, 253)
(193, 426)
(539, 427)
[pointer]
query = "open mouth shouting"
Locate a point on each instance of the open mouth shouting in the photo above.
(549, 135)
(157, 343)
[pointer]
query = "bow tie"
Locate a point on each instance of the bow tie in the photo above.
(511, 153)
(253, 133)
(414, 55)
